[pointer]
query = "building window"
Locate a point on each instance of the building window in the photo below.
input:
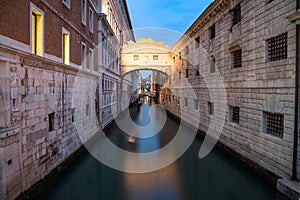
(135, 57)
(196, 104)
(67, 3)
(197, 42)
(212, 32)
(83, 55)
(298, 4)
(87, 109)
(83, 11)
(186, 72)
(273, 123)
(91, 21)
(73, 114)
(179, 56)
(37, 30)
(236, 14)
(66, 46)
(155, 57)
(187, 50)
(186, 102)
(213, 65)
(197, 70)
(91, 59)
(237, 58)
(51, 122)
(277, 47)
(210, 106)
(234, 114)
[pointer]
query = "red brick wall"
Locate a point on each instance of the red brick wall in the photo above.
(16, 25)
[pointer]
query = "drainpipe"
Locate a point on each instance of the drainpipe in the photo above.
(295, 149)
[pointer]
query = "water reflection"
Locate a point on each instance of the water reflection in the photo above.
(217, 176)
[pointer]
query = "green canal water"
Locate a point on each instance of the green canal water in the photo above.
(218, 176)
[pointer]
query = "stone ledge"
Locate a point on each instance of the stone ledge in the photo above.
(291, 189)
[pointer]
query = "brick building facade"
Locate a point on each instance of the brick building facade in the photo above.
(51, 68)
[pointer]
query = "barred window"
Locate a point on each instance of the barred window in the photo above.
(234, 114)
(273, 123)
(210, 106)
(277, 47)
(236, 14)
(212, 32)
(237, 58)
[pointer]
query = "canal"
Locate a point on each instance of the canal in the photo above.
(217, 176)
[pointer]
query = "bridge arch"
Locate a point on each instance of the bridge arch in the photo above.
(146, 54)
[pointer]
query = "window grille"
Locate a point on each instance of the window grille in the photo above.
(277, 47)
(237, 58)
(273, 123)
(236, 15)
(234, 114)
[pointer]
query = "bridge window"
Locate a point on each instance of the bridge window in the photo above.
(135, 57)
(155, 57)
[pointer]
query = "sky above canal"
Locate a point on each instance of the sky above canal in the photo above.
(169, 19)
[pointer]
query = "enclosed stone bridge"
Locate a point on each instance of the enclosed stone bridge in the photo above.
(146, 54)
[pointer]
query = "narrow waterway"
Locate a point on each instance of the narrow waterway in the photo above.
(217, 176)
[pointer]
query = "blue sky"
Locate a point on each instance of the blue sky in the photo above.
(171, 17)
